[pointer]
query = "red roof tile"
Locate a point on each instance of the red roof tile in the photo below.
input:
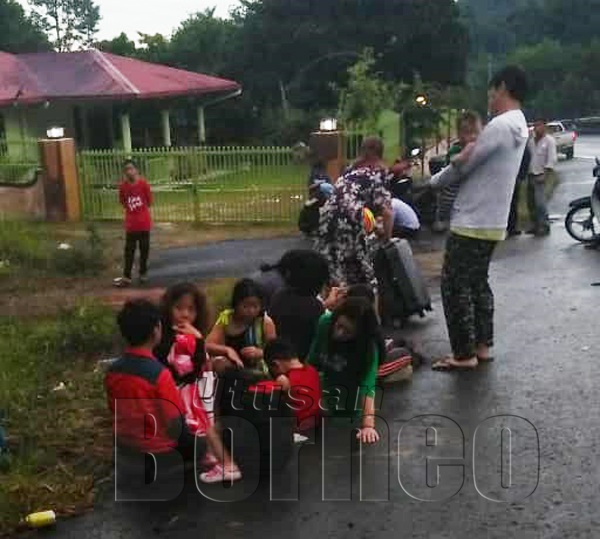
(33, 78)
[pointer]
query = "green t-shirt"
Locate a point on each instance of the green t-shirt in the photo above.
(333, 366)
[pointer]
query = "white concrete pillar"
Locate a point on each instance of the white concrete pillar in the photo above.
(166, 127)
(201, 125)
(126, 131)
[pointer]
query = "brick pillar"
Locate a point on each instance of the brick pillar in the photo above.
(61, 183)
(330, 148)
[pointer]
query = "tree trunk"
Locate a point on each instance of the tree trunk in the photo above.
(284, 102)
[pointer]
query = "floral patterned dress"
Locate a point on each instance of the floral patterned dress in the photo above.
(341, 237)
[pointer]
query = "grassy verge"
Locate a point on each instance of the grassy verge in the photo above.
(59, 435)
(34, 273)
(54, 408)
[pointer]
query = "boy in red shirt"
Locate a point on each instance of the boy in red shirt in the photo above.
(299, 381)
(136, 197)
(141, 392)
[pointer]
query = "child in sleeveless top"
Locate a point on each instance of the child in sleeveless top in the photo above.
(241, 332)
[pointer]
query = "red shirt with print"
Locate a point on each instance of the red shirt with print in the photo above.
(305, 395)
(136, 198)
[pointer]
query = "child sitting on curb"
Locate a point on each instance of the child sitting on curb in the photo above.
(240, 333)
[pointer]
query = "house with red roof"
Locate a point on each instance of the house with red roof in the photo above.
(93, 96)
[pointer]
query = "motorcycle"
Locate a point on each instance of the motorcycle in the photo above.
(582, 221)
(401, 186)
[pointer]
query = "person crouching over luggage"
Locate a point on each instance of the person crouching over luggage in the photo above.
(346, 352)
(406, 222)
(301, 382)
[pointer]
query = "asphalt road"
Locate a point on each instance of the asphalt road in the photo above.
(545, 376)
(223, 259)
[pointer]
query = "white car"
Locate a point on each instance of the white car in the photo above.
(565, 138)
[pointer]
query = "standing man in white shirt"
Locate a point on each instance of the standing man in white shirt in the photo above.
(543, 161)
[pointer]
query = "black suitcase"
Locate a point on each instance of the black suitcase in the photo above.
(402, 289)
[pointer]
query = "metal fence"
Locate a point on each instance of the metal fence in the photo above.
(203, 184)
(19, 161)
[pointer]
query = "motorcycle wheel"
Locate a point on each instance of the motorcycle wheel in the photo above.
(579, 223)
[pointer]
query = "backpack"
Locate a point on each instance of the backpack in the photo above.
(308, 220)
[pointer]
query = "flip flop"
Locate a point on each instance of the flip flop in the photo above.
(451, 364)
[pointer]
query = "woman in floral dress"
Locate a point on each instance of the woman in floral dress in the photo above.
(341, 238)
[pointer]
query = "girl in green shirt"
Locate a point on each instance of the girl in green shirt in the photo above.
(346, 352)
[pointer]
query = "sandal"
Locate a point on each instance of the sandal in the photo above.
(452, 364)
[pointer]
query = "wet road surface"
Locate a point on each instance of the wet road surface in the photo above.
(531, 475)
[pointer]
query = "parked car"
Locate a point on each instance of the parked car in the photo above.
(570, 125)
(565, 138)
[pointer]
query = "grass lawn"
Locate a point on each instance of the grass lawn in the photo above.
(218, 205)
(389, 125)
(272, 192)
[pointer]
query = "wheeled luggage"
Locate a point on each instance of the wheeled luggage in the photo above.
(402, 289)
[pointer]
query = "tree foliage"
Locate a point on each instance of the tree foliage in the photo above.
(293, 57)
(366, 95)
(120, 45)
(18, 32)
(69, 23)
(565, 80)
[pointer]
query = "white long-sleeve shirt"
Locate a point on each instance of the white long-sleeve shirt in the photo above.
(487, 180)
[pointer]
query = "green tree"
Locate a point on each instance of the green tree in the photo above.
(564, 78)
(205, 43)
(303, 47)
(120, 45)
(69, 22)
(87, 15)
(366, 95)
(155, 48)
(18, 32)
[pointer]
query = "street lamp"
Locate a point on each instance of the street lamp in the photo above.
(328, 124)
(421, 100)
(55, 132)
